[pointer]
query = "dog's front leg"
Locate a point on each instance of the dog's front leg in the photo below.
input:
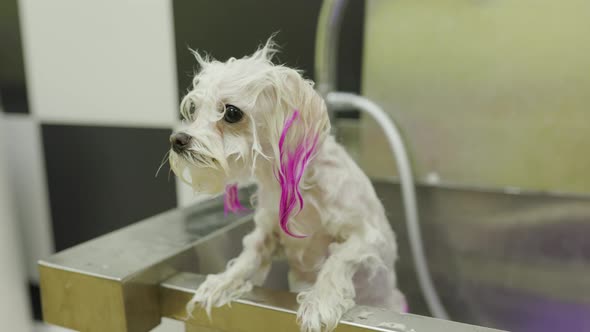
(249, 268)
(322, 306)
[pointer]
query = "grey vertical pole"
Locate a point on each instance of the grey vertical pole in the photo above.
(14, 309)
(326, 46)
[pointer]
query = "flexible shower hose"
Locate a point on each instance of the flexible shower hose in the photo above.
(342, 100)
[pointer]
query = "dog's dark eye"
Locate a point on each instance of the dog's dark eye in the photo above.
(188, 111)
(232, 114)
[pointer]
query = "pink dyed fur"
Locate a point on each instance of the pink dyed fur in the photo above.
(292, 167)
(231, 203)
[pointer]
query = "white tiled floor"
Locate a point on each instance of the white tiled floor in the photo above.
(48, 328)
(168, 325)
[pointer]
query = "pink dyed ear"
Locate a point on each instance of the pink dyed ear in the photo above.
(231, 203)
(293, 163)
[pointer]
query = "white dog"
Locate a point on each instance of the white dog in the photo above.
(249, 119)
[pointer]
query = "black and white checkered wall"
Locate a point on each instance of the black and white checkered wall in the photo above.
(90, 90)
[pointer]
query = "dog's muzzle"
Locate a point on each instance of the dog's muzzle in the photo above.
(180, 141)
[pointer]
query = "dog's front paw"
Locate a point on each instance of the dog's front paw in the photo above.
(218, 290)
(320, 311)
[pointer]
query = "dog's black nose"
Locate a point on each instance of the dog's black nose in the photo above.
(180, 141)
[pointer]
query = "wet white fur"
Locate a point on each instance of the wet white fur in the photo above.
(350, 252)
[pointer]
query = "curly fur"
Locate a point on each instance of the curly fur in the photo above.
(349, 251)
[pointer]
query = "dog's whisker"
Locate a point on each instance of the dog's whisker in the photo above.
(164, 160)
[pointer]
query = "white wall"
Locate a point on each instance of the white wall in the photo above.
(109, 62)
(100, 62)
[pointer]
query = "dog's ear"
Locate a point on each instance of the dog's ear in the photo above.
(298, 125)
(297, 93)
